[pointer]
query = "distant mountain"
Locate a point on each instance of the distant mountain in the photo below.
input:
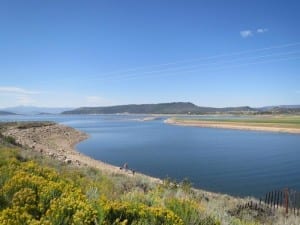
(281, 109)
(280, 106)
(178, 107)
(6, 113)
(290, 106)
(32, 110)
(161, 108)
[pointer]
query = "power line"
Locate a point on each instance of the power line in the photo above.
(196, 67)
(207, 70)
(202, 58)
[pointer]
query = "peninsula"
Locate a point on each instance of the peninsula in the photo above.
(58, 142)
(286, 124)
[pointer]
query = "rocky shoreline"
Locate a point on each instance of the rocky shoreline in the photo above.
(58, 142)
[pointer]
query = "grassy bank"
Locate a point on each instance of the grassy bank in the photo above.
(288, 121)
(289, 124)
(36, 189)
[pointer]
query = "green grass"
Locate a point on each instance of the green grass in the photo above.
(268, 121)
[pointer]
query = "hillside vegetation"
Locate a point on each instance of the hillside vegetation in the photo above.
(36, 190)
(4, 113)
(161, 108)
(182, 108)
(280, 121)
(35, 194)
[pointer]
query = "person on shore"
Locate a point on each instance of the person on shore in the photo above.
(125, 166)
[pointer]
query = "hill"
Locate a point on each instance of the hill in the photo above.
(161, 108)
(6, 113)
(281, 106)
(281, 109)
(33, 110)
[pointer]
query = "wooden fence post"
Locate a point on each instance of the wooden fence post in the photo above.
(278, 192)
(271, 200)
(286, 200)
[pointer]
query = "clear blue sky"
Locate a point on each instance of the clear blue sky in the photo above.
(209, 52)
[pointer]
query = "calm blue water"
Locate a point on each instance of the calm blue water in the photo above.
(228, 161)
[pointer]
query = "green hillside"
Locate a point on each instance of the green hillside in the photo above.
(161, 108)
(6, 113)
(182, 108)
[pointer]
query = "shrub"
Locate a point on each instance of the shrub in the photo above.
(31, 195)
(16, 216)
(190, 212)
(71, 208)
(126, 213)
(10, 140)
(186, 185)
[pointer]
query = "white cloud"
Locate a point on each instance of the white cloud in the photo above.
(25, 100)
(16, 90)
(16, 96)
(246, 33)
(249, 33)
(13, 96)
(261, 30)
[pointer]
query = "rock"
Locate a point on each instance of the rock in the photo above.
(68, 161)
(77, 162)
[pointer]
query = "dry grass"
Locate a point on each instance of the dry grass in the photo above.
(288, 124)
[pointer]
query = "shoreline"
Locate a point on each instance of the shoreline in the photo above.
(231, 125)
(36, 140)
(59, 142)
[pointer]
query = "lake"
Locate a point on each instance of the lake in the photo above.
(236, 162)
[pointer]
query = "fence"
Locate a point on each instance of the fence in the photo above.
(287, 199)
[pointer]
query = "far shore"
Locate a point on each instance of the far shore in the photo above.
(233, 125)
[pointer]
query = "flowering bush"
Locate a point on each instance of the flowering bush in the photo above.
(190, 211)
(126, 213)
(71, 208)
(33, 194)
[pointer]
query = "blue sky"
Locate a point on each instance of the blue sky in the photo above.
(93, 53)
